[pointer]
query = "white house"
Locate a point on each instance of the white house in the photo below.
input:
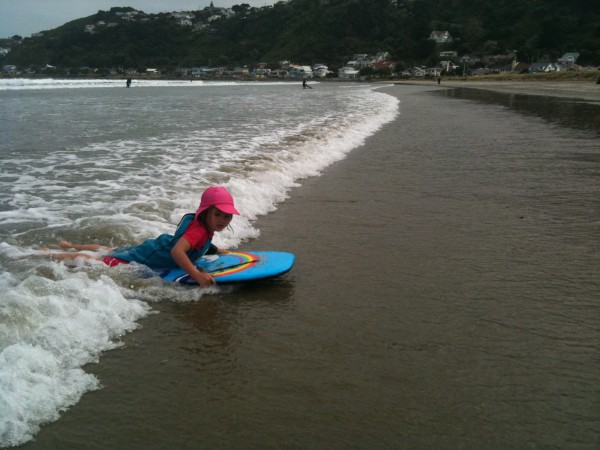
(441, 37)
(300, 72)
(433, 71)
(568, 59)
(200, 71)
(417, 71)
(382, 56)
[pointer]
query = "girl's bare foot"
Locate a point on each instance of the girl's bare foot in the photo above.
(65, 244)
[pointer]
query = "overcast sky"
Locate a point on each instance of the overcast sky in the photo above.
(24, 17)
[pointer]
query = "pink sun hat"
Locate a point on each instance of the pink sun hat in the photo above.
(218, 197)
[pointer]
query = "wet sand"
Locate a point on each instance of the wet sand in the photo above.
(446, 267)
(449, 276)
(587, 90)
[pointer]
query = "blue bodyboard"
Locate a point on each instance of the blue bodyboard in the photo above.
(236, 267)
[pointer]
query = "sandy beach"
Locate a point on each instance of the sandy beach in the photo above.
(412, 221)
(587, 90)
(426, 243)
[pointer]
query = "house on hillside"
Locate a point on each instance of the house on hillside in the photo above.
(448, 65)
(241, 72)
(278, 73)
(385, 66)
(348, 73)
(568, 59)
(441, 37)
(417, 71)
(300, 73)
(359, 60)
(381, 56)
(537, 67)
(199, 72)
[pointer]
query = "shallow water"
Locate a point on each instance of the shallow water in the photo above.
(460, 310)
(93, 162)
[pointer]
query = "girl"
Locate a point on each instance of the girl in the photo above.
(192, 239)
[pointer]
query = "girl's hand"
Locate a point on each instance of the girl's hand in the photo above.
(204, 279)
(180, 257)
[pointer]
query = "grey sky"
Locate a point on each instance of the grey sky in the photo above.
(24, 17)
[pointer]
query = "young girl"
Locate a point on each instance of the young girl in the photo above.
(192, 239)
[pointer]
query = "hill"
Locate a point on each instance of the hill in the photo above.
(310, 31)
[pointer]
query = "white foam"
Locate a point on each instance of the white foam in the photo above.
(49, 330)
(64, 83)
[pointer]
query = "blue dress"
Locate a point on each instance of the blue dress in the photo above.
(156, 253)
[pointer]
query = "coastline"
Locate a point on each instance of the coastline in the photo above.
(550, 85)
(433, 304)
(451, 286)
(583, 89)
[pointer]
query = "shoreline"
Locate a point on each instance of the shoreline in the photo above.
(431, 281)
(573, 87)
(433, 267)
(587, 90)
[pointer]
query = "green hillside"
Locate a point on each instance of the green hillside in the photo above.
(326, 31)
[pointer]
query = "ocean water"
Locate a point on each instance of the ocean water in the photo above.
(92, 161)
(461, 311)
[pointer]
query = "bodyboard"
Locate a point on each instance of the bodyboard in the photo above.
(236, 267)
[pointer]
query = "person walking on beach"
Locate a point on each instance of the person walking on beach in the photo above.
(191, 240)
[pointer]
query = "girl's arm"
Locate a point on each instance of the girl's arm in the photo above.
(179, 254)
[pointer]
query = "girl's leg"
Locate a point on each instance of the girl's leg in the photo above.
(72, 256)
(88, 247)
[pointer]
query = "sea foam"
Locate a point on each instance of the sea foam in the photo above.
(50, 328)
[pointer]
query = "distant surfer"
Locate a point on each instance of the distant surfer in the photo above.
(191, 240)
(305, 84)
(128, 82)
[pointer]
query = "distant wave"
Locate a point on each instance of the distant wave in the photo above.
(8, 84)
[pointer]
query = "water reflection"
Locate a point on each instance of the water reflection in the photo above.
(217, 315)
(567, 112)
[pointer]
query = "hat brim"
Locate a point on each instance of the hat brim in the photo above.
(225, 207)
